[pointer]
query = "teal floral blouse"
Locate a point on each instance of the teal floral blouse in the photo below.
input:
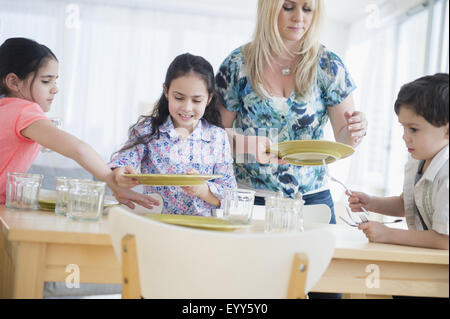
(282, 119)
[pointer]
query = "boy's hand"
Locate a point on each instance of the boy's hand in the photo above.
(200, 190)
(124, 181)
(357, 200)
(375, 232)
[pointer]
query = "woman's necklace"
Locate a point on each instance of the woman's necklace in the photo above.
(285, 70)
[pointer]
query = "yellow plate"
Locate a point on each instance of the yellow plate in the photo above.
(311, 152)
(47, 197)
(49, 203)
(211, 223)
(46, 206)
(172, 179)
(47, 200)
(47, 209)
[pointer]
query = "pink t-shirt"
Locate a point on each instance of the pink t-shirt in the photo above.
(17, 152)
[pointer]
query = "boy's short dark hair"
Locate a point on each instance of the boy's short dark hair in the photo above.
(428, 97)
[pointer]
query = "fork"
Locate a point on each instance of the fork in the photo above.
(340, 183)
(347, 222)
(346, 188)
(362, 216)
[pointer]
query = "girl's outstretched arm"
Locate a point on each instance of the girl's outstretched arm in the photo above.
(123, 181)
(46, 134)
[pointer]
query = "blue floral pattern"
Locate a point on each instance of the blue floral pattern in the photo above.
(207, 150)
(300, 119)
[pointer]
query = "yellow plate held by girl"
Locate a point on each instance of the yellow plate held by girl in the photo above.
(172, 179)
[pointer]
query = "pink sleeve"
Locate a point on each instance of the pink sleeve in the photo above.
(28, 116)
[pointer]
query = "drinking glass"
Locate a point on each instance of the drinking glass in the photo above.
(283, 214)
(238, 204)
(22, 190)
(85, 200)
(62, 194)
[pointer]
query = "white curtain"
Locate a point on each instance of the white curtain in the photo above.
(114, 55)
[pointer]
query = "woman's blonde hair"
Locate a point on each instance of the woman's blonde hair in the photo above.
(267, 42)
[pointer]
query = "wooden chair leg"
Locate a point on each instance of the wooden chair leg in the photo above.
(130, 273)
(297, 280)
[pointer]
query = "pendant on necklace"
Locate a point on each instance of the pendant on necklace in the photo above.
(286, 71)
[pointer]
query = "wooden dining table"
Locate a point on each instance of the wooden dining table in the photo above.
(39, 246)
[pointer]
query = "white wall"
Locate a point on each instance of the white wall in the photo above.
(335, 36)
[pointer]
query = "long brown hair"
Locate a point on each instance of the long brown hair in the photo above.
(181, 66)
(22, 57)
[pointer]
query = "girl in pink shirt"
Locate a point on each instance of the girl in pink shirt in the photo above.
(28, 72)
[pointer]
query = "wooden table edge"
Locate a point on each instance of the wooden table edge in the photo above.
(45, 236)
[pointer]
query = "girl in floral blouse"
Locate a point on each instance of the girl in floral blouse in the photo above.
(183, 135)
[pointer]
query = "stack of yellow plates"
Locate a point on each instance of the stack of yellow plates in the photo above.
(172, 179)
(211, 223)
(47, 200)
(311, 152)
(47, 204)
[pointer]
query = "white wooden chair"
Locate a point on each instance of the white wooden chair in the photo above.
(166, 261)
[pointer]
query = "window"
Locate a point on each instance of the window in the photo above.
(403, 48)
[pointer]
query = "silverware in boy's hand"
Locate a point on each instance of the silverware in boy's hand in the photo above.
(365, 220)
(348, 190)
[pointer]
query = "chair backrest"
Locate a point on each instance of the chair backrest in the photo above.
(319, 213)
(180, 262)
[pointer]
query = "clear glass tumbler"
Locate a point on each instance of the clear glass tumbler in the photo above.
(62, 194)
(283, 214)
(85, 200)
(238, 204)
(22, 190)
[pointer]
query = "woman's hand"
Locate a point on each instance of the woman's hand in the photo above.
(349, 126)
(124, 181)
(375, 232)
(258, 146)
(356, 126)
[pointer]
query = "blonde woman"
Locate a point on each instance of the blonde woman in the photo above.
(286, 84)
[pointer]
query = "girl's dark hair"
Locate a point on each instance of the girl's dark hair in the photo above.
(181, 66)
(427, 97)
(21, 56)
